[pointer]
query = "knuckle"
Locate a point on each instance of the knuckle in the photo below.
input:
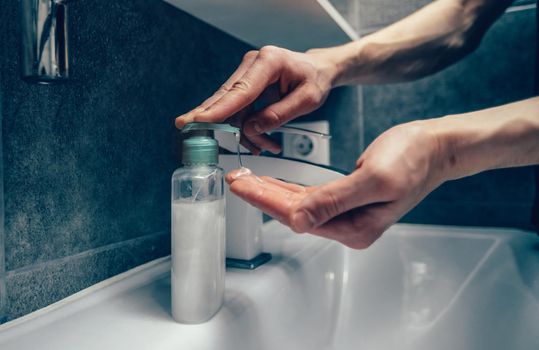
(223, 88)
(249, 55)
(241, 85)
(270, 52)
(312, 97)
(271, 119)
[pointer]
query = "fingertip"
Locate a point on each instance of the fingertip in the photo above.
(237, 173)
(252, 128)
(179, 122)
(275, 150)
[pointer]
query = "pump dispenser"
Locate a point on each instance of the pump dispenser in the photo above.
(198, 227)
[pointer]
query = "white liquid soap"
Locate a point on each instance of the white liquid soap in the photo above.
(198, 259)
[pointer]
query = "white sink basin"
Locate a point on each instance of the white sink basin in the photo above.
(419, 287)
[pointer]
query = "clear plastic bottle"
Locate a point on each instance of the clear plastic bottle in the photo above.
(198, 233)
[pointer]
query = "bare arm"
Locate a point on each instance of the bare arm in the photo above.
(423, 43)
(429, 40)
(499, 137)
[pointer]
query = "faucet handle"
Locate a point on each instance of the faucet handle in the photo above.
(286, 129)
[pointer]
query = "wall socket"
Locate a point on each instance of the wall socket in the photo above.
(310, 148)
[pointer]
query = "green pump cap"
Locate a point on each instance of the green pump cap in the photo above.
(203, 149)
(200, 150)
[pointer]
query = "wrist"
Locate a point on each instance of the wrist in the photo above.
(430, 151)
(460, 146)
(333, 63)
(498, 137)
(447, 157)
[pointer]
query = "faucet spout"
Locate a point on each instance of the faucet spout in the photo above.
(45, 54)
(244, 238)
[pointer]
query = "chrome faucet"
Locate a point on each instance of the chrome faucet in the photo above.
(243, 221)
(44, 54)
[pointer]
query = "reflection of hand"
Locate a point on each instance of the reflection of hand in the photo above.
(397, 170)
(301, 82)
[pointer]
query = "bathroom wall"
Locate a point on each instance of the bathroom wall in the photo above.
(500, 71)
(2, 252)
(87, 164)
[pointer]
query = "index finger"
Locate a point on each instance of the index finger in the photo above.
(262, 73)
(272, 198)
(190, 116)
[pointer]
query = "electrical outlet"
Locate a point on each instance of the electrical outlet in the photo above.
(310, 148)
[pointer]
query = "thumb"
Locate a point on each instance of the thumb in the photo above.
(333, 199)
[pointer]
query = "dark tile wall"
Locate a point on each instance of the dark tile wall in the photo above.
(500, 71)
(368, 15)
(3, 316)
(87, 164)
(349, 9)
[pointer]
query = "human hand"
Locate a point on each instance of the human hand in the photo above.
(396, 172)
(296, 84)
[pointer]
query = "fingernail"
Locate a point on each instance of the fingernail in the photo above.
(240, 172)
(253, 128)
(303, 221)
(275, 150)
(178, 122)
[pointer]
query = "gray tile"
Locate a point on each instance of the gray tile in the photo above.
(349, 9)
(366, 16)
(2, 250)
(343, 110)
(471, 214)
(379, 13)
(88, 163)
(495, 186)
(35, 288)
(3, 299)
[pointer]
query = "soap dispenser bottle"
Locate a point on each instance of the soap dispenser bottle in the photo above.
(198, 228)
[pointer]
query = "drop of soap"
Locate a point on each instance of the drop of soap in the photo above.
(243, 171)
(238, 137)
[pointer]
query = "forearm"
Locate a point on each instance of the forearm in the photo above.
(500, 137)
(421, 44)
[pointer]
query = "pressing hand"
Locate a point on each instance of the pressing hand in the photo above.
(294, 83)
